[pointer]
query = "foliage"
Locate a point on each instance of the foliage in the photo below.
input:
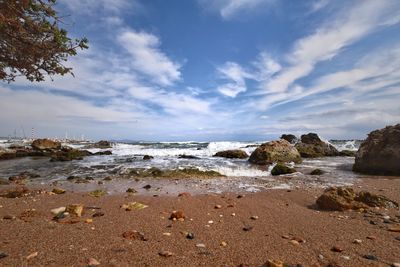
(32, 43)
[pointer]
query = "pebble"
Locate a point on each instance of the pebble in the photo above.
(176, 215)
(200, 245)
(98, 214)
(92, 262)
(217, 207)
(371, 237)
(233, 214)
(165, 253)
(357, 241)
(135, 235)
(395, 229)
(167, 234)
(9, 217)
(223, 244)
(247, 228)
(210, 222)
(370, 257)
(321, 257)
(89, 221)
(395, 264)
(337, 249)
(294, 242)
(57, 210)
(3, 254)
(190, 236)
(345, 257)
(147, 187)
(254, 217)
(32, 255)
(397, 238)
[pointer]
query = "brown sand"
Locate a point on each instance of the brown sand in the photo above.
(280, 213)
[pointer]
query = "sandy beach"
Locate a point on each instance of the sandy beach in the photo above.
(229, 229)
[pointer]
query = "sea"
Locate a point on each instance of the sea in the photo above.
(239, 174)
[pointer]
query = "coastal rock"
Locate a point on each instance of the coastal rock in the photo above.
(342, 198)
(42, 144)
(232, 154)
(7, 154)
(68, 154)
(4, 182)
(102, 144)
(147, 157)
(347, 153)
(281, 169)
(16, 192)
(317, 172)
(183, 156)
(311, 146)
(275, 151)
(380, 152)
(101, 153)
(290, 138)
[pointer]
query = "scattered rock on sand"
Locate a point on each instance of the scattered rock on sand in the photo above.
(134, 235)
(16, 192)
(275, 151)
(133, 206)
(41, 144)
(92, 262)
(98, 214)
(3, 254)
(342, 198)
(311, 146)
(337, 249)
(280, 169)
(32, 255)
(272, 263)
(177, 215)
(98, 193)
(58, 191)
(380, 152)
(75, 209)
(232, 154)
(370, 257)
(165, 253)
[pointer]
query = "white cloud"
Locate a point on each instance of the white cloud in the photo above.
(147, 57)
(235, 79)
(330, 39)
(90, 6)
(318, 5)
(230, 8)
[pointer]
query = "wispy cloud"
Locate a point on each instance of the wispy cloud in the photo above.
(147, 57)
(230, 8)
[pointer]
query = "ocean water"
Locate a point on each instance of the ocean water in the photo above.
(241, 175)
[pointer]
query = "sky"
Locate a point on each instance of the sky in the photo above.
(205, 70)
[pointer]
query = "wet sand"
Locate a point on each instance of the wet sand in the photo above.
(282, 215)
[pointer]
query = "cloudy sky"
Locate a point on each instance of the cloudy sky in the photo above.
(218, 70)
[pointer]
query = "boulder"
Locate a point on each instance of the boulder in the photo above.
(42, 144)
(311, 146)
(281, 169)
(68, 154)
(232, 154)
(344, 198)
(380, 152)
(103, 144)
(290, 138)
(275, 151)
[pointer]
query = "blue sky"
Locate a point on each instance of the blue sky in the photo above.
(163, 70)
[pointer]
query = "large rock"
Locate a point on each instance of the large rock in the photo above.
(41, 144)
(232, 154)
(280, 169)
(311, 146)
(380, 152)
(103, 144)
(275, 151)
(68, 154)
(344, 198)
(290, 138)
